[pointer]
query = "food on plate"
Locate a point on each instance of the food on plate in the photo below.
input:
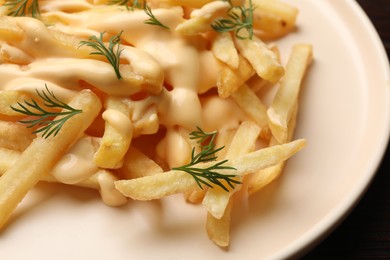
(146, 99)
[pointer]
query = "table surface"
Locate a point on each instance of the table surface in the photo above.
(365, 233)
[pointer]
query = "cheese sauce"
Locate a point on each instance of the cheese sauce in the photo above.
(152, 57)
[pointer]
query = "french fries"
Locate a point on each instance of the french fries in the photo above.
(102, 180)
(230, 79)
(143, 101)
(117, 135)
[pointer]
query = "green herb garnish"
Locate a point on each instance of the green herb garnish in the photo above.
(240, 18)
(113, 56)
(210, 174)
(22, 8)
(45, 121)
(152, 20)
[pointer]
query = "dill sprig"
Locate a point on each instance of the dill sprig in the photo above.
(204, 137)
(152, 20)
(22, 8)
(240, 18)
(210, 174)
(112, 55)
(45, 121)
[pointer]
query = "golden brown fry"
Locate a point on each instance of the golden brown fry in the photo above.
(137, 164)
(273, 18)
(218, 230)
(219, 202)
(260, 179)
(117, 136)
(225, 139)
(34, 163)
(201, 19)
(10, 98)
(167, 183)
(216, 199)
(230, 79)
(252, 105)
(279, 113)
(15, 136)
(9, 29)
(156, 186)
(8, 158)
(223, 49)
(264, 61)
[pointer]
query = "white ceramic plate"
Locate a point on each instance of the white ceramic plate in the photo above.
(345, 117)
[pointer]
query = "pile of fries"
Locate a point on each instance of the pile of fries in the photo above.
(182, 67)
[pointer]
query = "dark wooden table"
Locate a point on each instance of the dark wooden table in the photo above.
(365, 233)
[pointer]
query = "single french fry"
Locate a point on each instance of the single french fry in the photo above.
(15, 136)
(171, 182)
(260, 179)
(264, 61)
(117, 136)
(218, 230)
(69, 44)
(252, 105)
(279, 113)
(223, 49)
(148, 123)
(266, 157)
(8, 158)
(230, 79)
(201, 19)
(224, 138)
(195, 196)
(12, 54)
(273, 18)
(42, 154)
(137, 164)
(9, 29)
(156, 186)
(216, 199)
(244, 140)
(10, 98)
